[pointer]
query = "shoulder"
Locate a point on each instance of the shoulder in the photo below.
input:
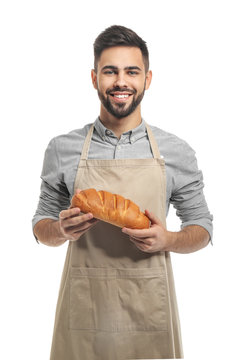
(176, 151)
(63, 143)
(162, 135)
(65, 148)
(169, 139)
(72, 136)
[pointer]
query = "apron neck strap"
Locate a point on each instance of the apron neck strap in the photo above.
(85, 149)
(152, 140)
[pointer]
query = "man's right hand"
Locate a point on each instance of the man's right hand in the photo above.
(72, 224)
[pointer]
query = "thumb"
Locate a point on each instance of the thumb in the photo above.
(153, 218)
(76, 192)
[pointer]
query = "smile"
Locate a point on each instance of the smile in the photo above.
(120, 97)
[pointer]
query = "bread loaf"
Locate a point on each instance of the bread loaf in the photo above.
(112, 208)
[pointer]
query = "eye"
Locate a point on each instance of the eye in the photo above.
(109, 72)
(133, 73)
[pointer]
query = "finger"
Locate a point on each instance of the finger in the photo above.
(82, 227)
(64, 214)
(138, 233)
(154, 219)
(77, 220)
(135, 232)
(147, 241)
(141, 246)
(76, 192)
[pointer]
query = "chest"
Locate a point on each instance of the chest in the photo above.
(105, 151)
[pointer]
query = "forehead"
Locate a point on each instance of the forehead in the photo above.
(121, 57)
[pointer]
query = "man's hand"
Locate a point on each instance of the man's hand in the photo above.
(191, 238)
(149, 240)
(72, 225)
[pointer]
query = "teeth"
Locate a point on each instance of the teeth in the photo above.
(121, 96)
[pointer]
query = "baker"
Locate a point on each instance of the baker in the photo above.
(117, 297)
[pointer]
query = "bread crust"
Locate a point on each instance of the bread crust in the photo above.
(112, 208)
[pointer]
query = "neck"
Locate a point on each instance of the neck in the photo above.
(120, 126)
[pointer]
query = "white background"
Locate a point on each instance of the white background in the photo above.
(46, 58)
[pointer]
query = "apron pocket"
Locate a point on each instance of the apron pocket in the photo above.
(142, 298)
(117, 300)
(92, 299)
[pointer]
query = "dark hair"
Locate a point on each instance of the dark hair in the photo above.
(119, 36)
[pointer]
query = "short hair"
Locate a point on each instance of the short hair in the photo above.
(117, 35)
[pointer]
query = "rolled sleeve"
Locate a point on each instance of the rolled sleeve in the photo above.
(54, 196)
(187, 197)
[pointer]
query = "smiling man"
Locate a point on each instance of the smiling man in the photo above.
(117, 297)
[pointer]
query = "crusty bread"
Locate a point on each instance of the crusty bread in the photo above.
(112, 208)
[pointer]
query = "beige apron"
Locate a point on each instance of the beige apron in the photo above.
(115, 301)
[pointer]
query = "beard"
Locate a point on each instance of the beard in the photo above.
(119, 110)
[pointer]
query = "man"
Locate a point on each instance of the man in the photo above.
(117, 297)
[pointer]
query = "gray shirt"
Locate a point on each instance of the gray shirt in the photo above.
(184, 180)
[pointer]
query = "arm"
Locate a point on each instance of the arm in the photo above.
(52, 225)
(157, 238)
(70, 226)
(47, 231)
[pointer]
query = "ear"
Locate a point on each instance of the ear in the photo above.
(94, 78)
(148, 79)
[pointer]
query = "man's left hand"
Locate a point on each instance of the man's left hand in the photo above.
(156, 238)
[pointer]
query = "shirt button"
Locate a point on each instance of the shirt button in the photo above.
(118, 147)
(103, 138)
(108, 132)
(132, 139)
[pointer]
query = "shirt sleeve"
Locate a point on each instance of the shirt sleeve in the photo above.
(187, 195)
(54, 195)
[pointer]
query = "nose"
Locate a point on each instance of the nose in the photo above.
(120, 80)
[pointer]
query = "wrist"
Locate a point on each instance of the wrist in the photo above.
(61, 237)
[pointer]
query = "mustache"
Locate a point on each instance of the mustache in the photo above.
(120, 89)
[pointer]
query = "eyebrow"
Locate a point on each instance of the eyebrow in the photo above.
(126, 68)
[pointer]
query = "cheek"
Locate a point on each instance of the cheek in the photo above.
(139, 85)
(104, 84)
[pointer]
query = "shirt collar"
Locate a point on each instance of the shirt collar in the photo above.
(134, 134)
